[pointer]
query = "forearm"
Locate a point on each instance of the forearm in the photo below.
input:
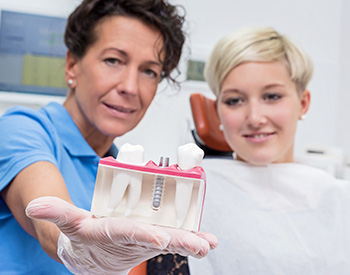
(37, 180)
(47, 234)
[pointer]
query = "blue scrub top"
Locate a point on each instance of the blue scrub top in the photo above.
(28, 136)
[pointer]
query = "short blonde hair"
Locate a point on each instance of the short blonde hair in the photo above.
(259, 44)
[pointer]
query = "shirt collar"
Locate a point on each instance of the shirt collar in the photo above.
(113, 151)
(68, 131)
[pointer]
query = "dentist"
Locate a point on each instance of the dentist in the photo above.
(118, 52)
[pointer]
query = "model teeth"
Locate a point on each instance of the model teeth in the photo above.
(131, 154)
(188, 157)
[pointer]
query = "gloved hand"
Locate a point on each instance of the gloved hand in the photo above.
(90, 245)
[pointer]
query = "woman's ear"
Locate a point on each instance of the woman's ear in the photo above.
(216, 106)
(305, 102)
(70, 70)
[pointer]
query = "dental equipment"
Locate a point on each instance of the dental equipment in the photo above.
(127, 187)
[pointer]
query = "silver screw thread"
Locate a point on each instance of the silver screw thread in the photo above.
(159, 185)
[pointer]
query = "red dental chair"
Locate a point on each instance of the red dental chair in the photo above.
(207, 134)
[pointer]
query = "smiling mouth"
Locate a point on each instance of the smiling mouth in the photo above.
(120, 109)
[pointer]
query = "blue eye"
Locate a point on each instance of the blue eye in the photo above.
(272, 97)
(151, 73)
(234, 101)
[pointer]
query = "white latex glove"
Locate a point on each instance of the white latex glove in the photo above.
(90, 245)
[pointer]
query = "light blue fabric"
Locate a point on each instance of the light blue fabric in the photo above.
(28, 136)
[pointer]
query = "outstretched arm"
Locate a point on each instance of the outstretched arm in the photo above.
(36, 180)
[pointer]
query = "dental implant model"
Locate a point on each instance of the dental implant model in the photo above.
(158, 194)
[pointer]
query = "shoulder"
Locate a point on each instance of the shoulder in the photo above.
(29, 137)
(19, 117)
(22, 122)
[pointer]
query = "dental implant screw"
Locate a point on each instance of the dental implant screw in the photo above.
(159, 185)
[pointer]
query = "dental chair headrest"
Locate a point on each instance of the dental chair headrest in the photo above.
(207, 134)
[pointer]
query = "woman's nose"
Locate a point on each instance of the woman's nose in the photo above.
(255, 116)
(128, 83)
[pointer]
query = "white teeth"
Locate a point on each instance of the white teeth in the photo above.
(260, 135)
(182, 199)
(188, 157)
(135, 189)
(123, 110)
(120, 109)
(122, 179)
(132, 154)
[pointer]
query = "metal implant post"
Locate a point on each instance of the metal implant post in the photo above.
(158, 188)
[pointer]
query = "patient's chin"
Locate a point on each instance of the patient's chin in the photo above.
(256, 161)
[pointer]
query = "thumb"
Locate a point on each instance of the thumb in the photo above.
(55, 210)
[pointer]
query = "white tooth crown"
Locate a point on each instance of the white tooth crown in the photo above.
(132, 154)
(188, 156)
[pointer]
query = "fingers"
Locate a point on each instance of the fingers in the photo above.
(187, 243)
(75, 221)
(126, 231)
(210, 238)
(55, 210)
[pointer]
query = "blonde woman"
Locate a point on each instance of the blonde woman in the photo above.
(270, 214)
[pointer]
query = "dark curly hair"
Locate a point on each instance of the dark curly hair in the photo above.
(79, 34)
